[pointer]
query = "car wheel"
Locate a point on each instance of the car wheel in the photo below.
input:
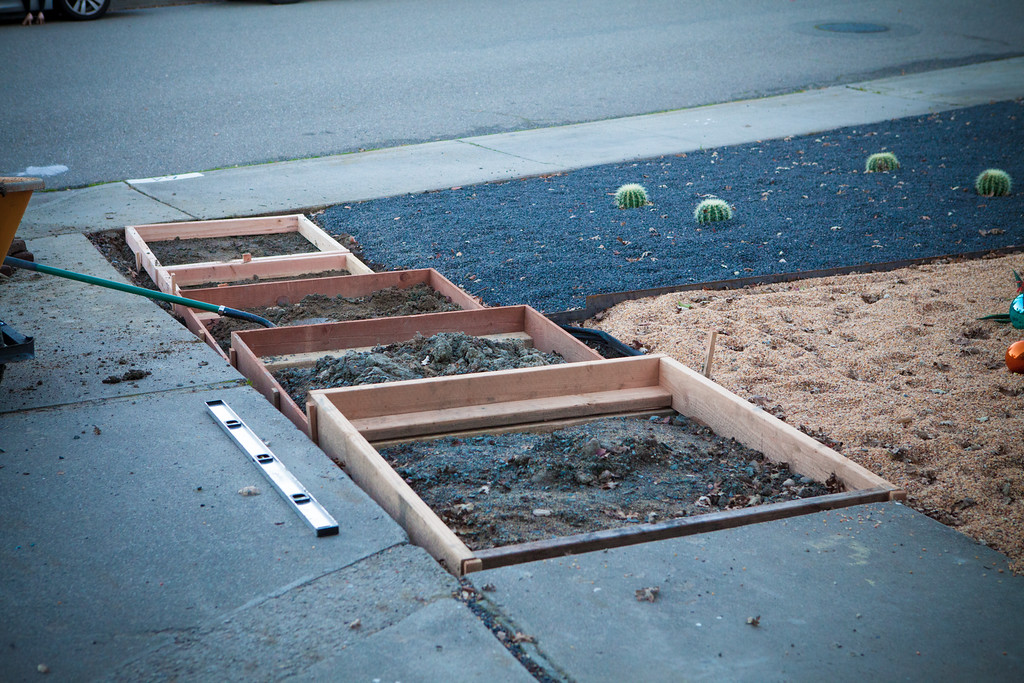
(82, 10)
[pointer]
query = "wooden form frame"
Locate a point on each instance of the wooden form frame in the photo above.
(268, 268)
(344, 422)
(170, 276)
(244, 297)
(255, 352)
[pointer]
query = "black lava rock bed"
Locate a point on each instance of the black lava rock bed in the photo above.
(801, 203)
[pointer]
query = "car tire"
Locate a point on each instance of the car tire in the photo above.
(82, 10)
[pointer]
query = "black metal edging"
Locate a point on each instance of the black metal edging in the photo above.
(604, 539)
(601, 302)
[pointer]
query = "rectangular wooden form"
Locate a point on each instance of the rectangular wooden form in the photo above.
(256, 351)
(260, 294)
(174, 278)
(344, 422)
(168, 275)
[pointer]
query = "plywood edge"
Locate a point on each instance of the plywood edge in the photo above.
(144, 256)
(685, 526)
(503, 414)
(357, 267)
(249, 365)
(732, 417)
(456, 294)
(378, 479)
(195, 322)
(318, 236)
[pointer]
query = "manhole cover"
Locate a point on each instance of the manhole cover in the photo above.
(851, 27)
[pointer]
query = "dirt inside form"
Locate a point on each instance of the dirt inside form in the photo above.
(443, 354)
(201, 249)
(894, 370)
(497, 490)
(319, 308)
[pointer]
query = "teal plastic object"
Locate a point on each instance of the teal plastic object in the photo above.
(1017, 312)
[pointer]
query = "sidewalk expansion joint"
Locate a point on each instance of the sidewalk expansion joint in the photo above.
(192, 388)
(186, 636)
(508, 154)
(301, 583)
(519, 644)
(161, 201)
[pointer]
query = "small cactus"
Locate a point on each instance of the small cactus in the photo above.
(882, 162)
(631, 196)
(993, 183)
(712, 210)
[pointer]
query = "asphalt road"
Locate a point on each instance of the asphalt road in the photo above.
(192, 87)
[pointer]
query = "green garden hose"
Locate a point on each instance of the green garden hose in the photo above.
(141, 291)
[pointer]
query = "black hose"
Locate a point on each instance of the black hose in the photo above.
(586, 334)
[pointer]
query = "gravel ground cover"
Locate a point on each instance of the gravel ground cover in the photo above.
(801, 203)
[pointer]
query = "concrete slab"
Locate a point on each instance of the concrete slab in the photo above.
(123, 529)
(407, 622)
(312, 183)
(85, 334)
(642, 137)
(443, 641)
(875, 591)
(964, 86)
(101, 207)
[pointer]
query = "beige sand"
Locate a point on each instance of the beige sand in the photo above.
(895, 366)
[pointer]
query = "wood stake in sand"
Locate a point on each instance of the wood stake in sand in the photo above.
(710, 353)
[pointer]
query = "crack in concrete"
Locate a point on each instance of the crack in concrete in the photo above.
(161, 201)
(188, 642)
(508, 154)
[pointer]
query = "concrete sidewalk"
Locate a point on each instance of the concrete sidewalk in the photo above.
(314, 183)
(129, 553)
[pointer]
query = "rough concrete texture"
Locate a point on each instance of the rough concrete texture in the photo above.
(85, 334)
(441, 641)
(361, 622)
(875, 591)
(91, 209)
(122, 526)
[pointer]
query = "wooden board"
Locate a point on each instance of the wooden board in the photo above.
(138, 238)
(260, 294)
(173, 278)
(672, 528)
(532, 397)
(252, 347)
(309, 359)
(374, 475)
(730, 416)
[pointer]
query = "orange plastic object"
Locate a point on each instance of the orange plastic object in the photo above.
(14, 195)
(1015, 357)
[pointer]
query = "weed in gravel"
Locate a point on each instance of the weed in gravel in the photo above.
(631, 196)
(712, 210)
(882, 162)
(993, 182)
